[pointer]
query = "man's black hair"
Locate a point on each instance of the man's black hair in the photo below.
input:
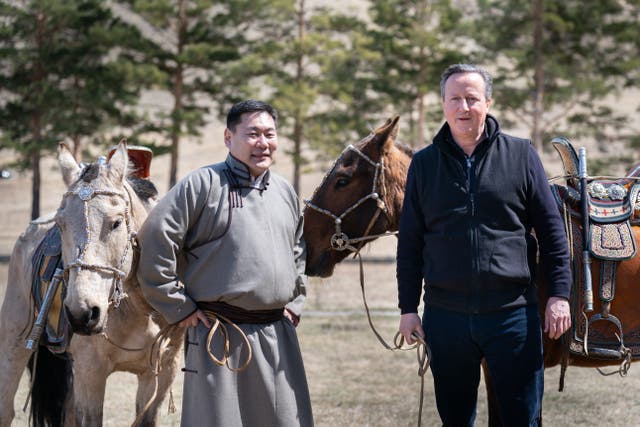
(249, 106)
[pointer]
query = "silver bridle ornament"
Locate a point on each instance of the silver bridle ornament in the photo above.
(86, 192)
(339, 240)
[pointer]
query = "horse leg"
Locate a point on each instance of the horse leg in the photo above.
(148, 382)
(492, 401)
(89, 385)
(148, 388)
(14, 320)
(12, 363)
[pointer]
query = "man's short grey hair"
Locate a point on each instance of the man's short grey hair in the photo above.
(467, 68)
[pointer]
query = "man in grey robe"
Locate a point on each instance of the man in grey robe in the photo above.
(225, 244)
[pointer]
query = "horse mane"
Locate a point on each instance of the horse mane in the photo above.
(144, 188)
(405, 148)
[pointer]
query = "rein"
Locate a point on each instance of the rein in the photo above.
(341, 242)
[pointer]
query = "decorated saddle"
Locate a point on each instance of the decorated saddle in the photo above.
(613, 210)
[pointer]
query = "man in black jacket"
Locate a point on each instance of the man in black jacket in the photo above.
(472, 200)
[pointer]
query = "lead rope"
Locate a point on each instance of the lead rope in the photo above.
(219, 323)
(155, 358)
(564, 363)
(423, 352)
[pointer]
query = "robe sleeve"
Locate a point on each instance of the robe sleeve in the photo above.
(300, 254)
(162, 239)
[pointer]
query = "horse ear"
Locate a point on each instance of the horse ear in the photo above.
(119, 161)
(68, 165)
(388, 132)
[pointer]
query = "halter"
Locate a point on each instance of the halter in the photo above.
(86, 192)
(339, 240)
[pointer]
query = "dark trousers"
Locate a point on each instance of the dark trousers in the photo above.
(510, 341)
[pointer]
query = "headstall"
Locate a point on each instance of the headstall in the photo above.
(339, 240)
(86, 192)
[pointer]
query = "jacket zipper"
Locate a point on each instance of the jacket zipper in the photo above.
(474, 238)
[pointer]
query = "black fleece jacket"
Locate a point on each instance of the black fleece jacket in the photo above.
(467, 222)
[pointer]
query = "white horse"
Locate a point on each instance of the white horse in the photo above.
(114, 327)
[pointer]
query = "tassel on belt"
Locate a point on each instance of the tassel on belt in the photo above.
(222, 316)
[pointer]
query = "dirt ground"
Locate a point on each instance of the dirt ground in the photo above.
(353, 380)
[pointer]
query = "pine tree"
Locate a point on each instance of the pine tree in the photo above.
(61, 78)
(297, 60)
(417, 40)
(194, 62)
(556, 62)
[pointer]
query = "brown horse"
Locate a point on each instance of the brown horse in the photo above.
(114, 327)
(342, 216)
(360, 198)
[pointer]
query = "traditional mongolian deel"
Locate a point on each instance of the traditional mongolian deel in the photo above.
(238, 239)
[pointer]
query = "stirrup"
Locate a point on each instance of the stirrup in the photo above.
(605, 353)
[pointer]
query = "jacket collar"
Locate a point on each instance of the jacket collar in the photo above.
(444, 140)
(242, 177)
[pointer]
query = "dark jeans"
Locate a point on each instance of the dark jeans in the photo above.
(510, 341)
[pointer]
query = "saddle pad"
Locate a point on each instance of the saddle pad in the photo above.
(601, 333)
(46, 259)
(613, 242)
(604, 208)
(608, 211)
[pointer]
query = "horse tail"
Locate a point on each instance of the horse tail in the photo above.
(51, 385)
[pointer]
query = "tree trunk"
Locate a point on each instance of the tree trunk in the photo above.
(298, 133)
(77, 148)
(36, 124)
(538, 106)
(35, 185)
(176, 116)
(420, 93)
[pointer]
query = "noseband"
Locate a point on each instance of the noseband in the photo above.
(339, 240)
(86, 192)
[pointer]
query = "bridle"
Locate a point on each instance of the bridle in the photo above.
(339, 240)
(86, 192)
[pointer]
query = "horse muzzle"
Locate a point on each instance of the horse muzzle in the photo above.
(85, 321)
(324, 264)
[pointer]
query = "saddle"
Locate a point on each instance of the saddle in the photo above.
(140, 157)
(613, 208)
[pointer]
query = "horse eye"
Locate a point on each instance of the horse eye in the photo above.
(116, 224)
(342, 182)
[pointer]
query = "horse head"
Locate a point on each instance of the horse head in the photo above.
(98, 219)
(358, 200)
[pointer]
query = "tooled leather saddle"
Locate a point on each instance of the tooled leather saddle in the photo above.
(613, 209)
